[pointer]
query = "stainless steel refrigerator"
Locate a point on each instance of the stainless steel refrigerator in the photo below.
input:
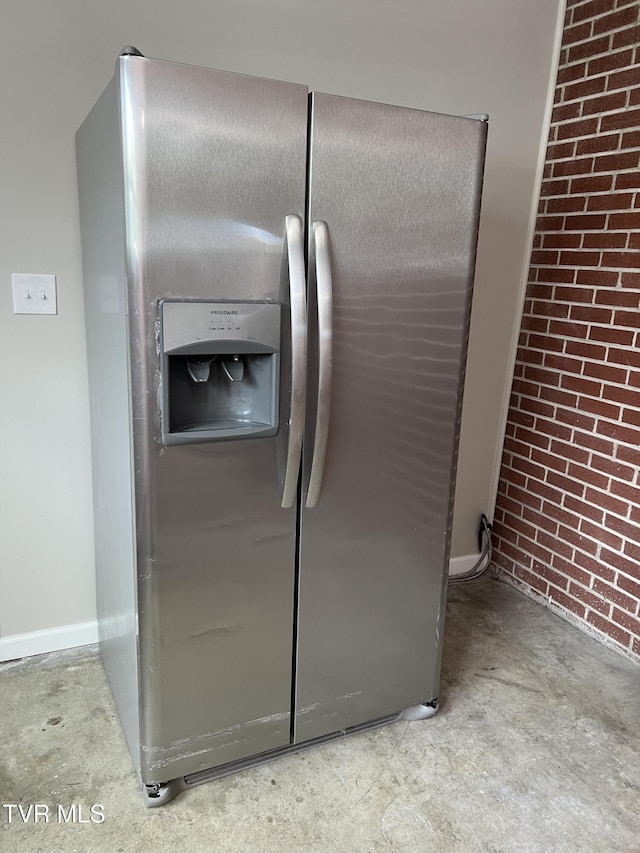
(277, 296)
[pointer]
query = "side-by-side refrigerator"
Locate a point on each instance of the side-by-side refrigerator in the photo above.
(277, 297)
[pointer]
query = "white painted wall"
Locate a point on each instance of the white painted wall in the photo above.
(458, 56)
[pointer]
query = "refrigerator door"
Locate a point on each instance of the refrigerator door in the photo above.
(393, 214)
(214, 168)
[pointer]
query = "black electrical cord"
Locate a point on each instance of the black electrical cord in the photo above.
(484, 539)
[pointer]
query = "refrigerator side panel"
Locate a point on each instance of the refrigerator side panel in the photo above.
(216, 162)
(100, 181)
(399, 190)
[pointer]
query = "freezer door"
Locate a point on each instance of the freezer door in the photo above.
(214, 175)
(393, 216)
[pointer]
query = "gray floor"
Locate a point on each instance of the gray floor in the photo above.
(535, 749)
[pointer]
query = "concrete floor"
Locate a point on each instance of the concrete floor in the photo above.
(535, 749)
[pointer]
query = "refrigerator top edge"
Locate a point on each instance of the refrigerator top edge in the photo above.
(126, 58)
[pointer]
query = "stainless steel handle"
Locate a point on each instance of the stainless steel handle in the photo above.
(324, 289)
(297, 300)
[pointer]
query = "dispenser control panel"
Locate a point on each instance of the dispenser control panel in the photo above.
(188, 324)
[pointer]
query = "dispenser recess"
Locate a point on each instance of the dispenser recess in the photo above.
(219, 370)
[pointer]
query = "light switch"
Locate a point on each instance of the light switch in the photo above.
(34, 294)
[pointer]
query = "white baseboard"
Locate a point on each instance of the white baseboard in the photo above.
(52, 640)
(460, 565)
(69, 636)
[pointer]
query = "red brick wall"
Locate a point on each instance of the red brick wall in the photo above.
(567, 522)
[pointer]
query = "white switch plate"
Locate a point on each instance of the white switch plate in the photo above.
(34, 294)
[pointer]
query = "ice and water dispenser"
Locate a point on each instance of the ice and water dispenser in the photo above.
(220, 370)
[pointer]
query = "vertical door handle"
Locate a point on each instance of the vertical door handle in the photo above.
(298, 305)
(324, 288)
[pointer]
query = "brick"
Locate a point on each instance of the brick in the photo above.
(630, 455)
(600, 534)
(623, 337)
(629, 585)
(598, 144)
(630, 279)
(585, 350)
(626, 396)
(544, 491)
(539, 256)
(557, 275)
(562, 363)
(560, 150)
(594, 602)
(534, 549)
(612, 468)
(554, 188)
(605, 372)
(571, 204)
(535, 324)
(605, 627)
(582, 474)
(628, 221)
(517, 447)
(560, 241)
(582, 386)
(515, 554)
(566, 483)
(618, 298)
(549, 460)
(627, 318)
(534, 439)
(589, 10)
(571, 35)
(570, 73)
(631, 139)
(547, 343)
(565, 112)
(628, 181)
(601, 445)
(567, 603)
(634, 97)
(570, 569)
(593, 566)
(570, 330)
(630, 35)
(580, 259)
(618, 562)
(604, 500)
(624, 356)
(634, 242)
(626, 620)
(555, 395)
(531, 580)
(631, 416)
(590, 314)
(617, 121)
(600, 278)
(537, 407)
(632, 550)
(568, 451)
(613, 162)
(615, 596)
(553, 577)
(575, 419)
(615, 21)
(611, 201)
(579, 166)
(605, 240)
(549, 223)
(604, 103)
(610, 62)
(592, 184)
(587, 49)
(584, 222)
(584, 509)
(577, 129)
(584, 88)
(618, 432)
(540, 291)
(563, 516)
(540, 520)
(600, 408)
(624, 79)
